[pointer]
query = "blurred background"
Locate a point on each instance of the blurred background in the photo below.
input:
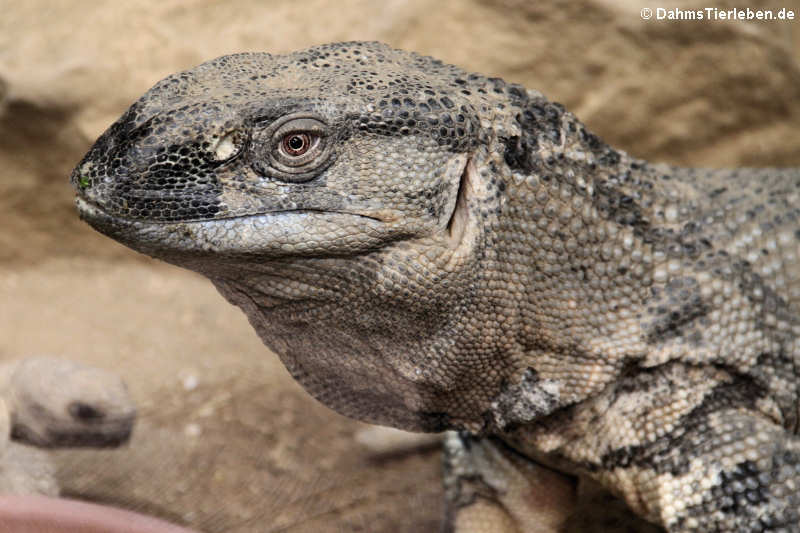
(225, 440)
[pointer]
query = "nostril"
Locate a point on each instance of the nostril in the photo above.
(82, 177)
(84, 412)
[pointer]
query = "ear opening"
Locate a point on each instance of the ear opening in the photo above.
(457, 222)
(462, 227)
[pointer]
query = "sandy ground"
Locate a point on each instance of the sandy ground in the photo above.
(225, 440)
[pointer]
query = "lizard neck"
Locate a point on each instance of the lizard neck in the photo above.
(582, 237)
(618, 265)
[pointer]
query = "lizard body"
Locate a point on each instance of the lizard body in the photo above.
(431, 249)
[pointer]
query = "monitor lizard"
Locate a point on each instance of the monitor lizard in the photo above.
(431, 249)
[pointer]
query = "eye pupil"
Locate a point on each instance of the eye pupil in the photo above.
(296, 143)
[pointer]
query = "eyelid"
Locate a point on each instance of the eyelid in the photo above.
(300, 125)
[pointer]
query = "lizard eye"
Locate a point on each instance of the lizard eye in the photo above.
(294, 148)
(297, 144)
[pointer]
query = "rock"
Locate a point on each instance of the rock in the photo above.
(55, 403)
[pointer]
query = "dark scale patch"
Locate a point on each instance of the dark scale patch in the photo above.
(105, 153)
(759, 292)
(177, 185)
(693, 435)
(770, 305)
(776, 370)
(739, 489)
(523, 402)
(540, 121)
(546, 127)
(679, 310)
(406, 106)
(154, 180)
(745, 497)
(613, 204)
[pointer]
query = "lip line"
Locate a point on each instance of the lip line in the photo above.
(81, 200)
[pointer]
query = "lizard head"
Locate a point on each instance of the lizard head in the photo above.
(333, 195)
(337, 149)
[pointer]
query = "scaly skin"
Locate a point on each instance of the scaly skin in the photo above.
(431, 249)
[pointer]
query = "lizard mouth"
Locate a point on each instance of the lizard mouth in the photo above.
(298, 232)
(87, 209)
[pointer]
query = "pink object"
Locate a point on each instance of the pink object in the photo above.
(40, 514)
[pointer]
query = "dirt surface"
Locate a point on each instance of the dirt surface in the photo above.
(226, 441)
